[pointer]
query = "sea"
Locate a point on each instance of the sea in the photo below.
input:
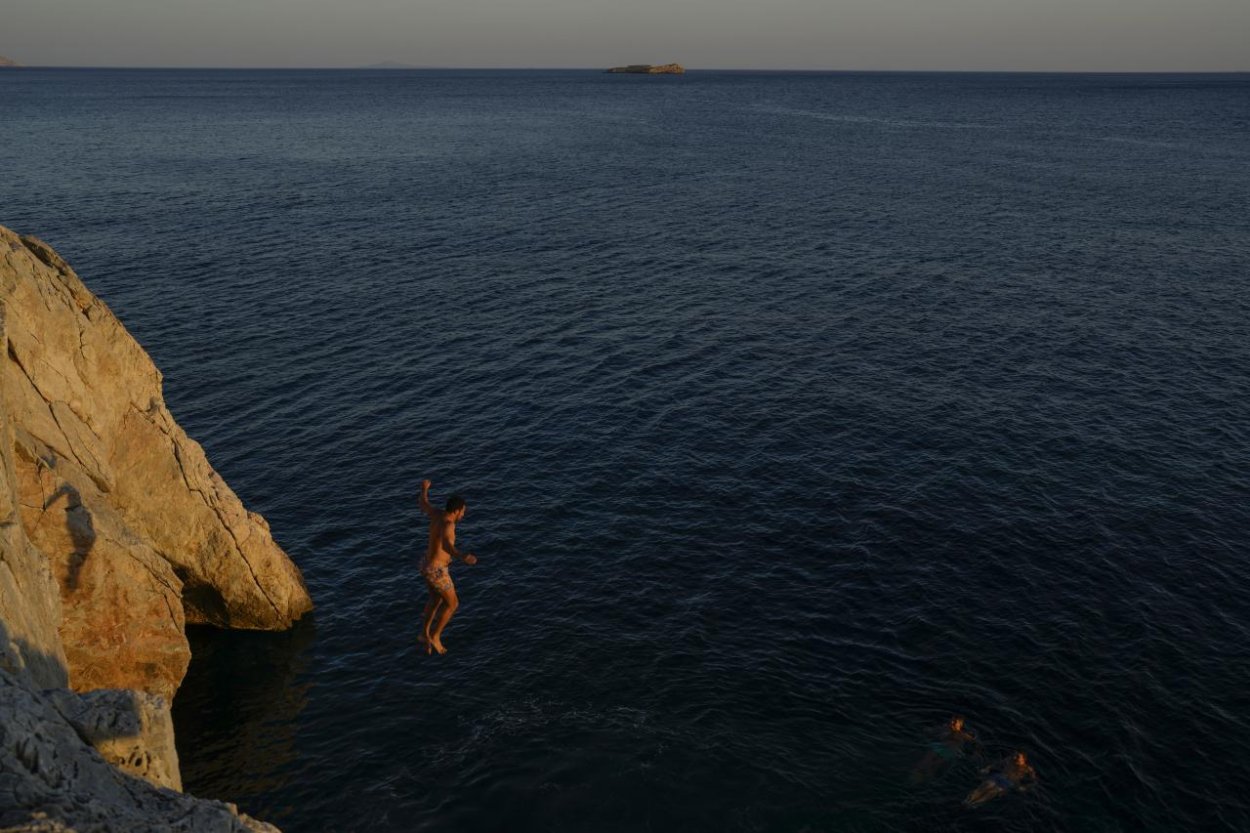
(795, 413)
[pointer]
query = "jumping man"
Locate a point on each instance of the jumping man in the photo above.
(435, 568)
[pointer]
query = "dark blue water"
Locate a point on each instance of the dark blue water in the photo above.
(794, 413)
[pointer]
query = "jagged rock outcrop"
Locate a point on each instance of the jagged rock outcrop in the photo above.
(114, 531)
(131, 730)
(52, 780)
(649, 69)
(140, 533)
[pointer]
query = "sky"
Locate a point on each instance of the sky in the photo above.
(1025, 35)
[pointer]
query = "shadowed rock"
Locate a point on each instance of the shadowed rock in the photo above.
(132, 730)
(51, 779)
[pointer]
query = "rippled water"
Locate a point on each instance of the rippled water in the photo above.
(794, 412)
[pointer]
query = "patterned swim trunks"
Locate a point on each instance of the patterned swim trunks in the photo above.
(438, 578)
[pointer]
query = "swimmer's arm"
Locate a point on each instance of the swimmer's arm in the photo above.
(426, 506)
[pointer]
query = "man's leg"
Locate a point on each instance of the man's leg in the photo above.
(427, 618)
(983, 793)
(445, 611)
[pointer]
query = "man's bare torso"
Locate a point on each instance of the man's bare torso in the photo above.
(435, 555)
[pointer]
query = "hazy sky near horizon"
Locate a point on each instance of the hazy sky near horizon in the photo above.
(1078, 35)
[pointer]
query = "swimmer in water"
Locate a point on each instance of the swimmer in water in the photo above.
(436, 567)
(951, 742)
(1009, 774)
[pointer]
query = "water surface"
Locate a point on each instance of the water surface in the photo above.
(795, 412)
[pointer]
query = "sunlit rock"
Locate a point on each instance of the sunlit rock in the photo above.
(138, 531)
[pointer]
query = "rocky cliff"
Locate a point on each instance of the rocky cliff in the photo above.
(7, 62)
(53, 781)
(114, 533)
(139, 532)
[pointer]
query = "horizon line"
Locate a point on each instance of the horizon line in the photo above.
(381, 67)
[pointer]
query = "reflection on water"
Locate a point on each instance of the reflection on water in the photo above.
(237, 710)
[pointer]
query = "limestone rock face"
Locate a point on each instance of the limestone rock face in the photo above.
(52, 781)
(114, 530)
(122, 621)
(135, 529)
(131, 730)
(30, 601)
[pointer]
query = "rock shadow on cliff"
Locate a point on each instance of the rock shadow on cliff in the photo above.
(81, 531)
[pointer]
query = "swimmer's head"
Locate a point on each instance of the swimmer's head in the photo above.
(957, 723)
(1020, 757)
(456, 507)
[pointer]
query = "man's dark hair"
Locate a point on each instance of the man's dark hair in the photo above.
(455, 502)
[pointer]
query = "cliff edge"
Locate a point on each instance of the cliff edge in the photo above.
(139, 532)
(114, 533)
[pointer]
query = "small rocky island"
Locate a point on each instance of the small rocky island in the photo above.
(8, 62)
(649, 69)
(115, 533)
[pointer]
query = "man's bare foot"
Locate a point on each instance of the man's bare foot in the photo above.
(438, 645)
(424, 639)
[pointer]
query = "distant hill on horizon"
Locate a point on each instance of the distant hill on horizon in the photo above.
(8, 62)
(649, 69)
(394, 65)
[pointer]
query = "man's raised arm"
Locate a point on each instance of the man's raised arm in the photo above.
(426, 506)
